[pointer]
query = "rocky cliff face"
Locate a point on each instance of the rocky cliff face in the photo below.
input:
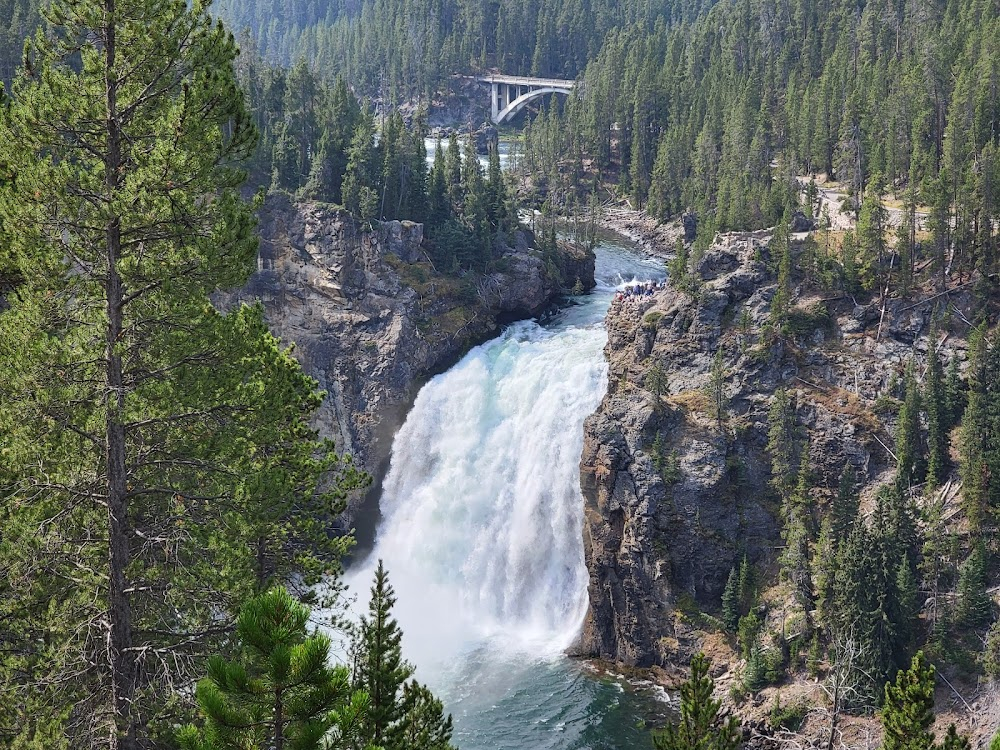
(371, 320)
(676, 496)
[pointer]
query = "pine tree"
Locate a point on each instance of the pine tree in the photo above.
(281, 692)
(991, 652)
(402, 714)
(845, 504)
(908, 711)
(424, 725)
(909, 461)
(700, 726)
(781, 442)
(169, 441)
(824, 568)
(954, 741)
(453, 171)
(975, 606)
(980, 464)
(795, 556)
(907, 607)
(872, 224)
(379, 668)
(657, 384)
(360, 180)
(954, 395)
(731, 602)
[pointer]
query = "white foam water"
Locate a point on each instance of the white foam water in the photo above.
(481, 528)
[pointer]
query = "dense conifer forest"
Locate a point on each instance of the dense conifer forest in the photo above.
(400, 49)
(161, 482)
(721, 116)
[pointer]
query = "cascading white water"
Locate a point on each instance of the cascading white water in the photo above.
(482, 525)
(481, 507)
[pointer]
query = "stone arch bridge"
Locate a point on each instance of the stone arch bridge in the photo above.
(510, 94)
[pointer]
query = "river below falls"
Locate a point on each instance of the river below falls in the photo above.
(481, 532)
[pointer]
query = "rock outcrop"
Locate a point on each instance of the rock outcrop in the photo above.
(675, 496)
(370, 318)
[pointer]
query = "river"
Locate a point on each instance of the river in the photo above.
(481, 533)
(506, 146)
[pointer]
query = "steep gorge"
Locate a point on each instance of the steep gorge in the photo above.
(371, 320)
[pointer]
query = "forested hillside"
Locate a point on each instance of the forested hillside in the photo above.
(18, 18)
(720, 115)
(406, 48)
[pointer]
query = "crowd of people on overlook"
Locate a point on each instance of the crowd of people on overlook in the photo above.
(634, 292)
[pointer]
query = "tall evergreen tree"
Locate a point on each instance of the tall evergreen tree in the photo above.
(781, 442)
(402, 714)
(909, 456)
(975, 605)
(161, 466)
(379, 668)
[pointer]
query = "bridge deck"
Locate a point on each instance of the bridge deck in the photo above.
(527, 81)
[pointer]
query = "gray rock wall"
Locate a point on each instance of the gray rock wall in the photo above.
(370, 321)
(657, 547)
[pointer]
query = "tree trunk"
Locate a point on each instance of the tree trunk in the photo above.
(279, 720)
(122, 660)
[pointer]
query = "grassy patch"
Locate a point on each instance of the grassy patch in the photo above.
(652, 319)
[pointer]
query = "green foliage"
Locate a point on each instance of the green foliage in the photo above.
(781, 442)
(845, 504)
(701, 726)
(990, 658)
(402, 714)
(679, 271)
(980, 445)
(804, 322)
(908, 711)
(668, 465)
(731, 602)
(975, 605)
(748, 631)
(159, 466)
(657, 384)
(909, 457)
(873, 599)
(877, 100)
(789, 716)
(954, 741)
(716, 389)
(797, 536)
(280, 691)
(872, 227)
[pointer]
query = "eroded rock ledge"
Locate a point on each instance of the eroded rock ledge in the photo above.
(370, 318)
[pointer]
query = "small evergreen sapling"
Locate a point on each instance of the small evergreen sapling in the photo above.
(701, 725)
(908, 711)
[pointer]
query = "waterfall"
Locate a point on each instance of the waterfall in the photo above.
(482, 530)
(482, 512)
